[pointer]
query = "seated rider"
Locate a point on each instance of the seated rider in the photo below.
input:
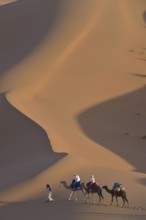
(76, 182)
(92, 182)
(118, 186)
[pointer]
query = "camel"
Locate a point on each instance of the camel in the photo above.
(114, 193)
(73, 190)
(96, 190)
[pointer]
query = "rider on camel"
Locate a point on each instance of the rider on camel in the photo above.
(76, 182)
(92, 182)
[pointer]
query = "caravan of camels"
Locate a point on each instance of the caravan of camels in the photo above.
(93, 188)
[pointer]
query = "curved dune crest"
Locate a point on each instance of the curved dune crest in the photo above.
(5, 2)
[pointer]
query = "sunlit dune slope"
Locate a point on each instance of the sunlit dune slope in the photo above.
(5, 2)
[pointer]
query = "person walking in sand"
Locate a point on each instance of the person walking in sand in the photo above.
(49, 193)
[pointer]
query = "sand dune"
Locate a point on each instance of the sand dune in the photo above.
(5, 2)
(72, 82)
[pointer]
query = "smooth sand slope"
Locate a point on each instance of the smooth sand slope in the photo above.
(5, 2)
(72, 82)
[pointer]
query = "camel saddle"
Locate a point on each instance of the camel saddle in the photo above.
(121, 187)
(93, 186)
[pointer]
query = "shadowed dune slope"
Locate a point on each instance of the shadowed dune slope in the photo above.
(24, 24)
(25, 147)
(37, 210)
(120, 126)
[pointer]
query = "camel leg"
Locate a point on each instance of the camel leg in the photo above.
(99, 200)
(102, 198)
(87, 198)
(75, 195)
(111, 201)
(117, 200)
(127, 202)
(70, 195)
(84, 198)
(124, 199)
(123, 203)
(93, 198)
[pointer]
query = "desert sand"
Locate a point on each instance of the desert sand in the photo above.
(73, 88)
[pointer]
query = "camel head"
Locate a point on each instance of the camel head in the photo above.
(104, 187)
(63, 182)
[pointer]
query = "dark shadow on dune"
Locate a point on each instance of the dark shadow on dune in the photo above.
(23, 25)
(143, 181)
(144, 16)
(25, 149)
(119, 125)
(113, 215)
(117, 216)
(142, 59)
(138, 74)
(37, 209)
